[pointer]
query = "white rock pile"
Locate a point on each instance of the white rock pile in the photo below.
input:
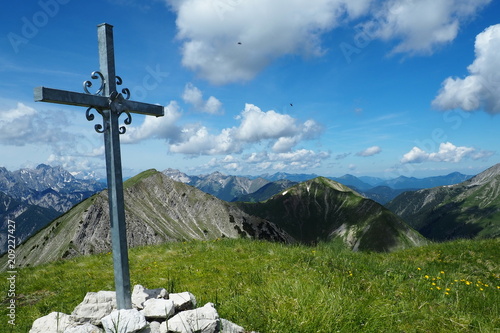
(154, 311)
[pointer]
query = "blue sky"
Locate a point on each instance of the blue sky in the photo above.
(377, 88)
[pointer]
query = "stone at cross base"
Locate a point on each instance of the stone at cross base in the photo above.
(97, 314)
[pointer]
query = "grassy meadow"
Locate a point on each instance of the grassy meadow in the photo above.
(270, 287)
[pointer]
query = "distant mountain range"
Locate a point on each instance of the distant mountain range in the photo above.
(34, 197)
(159, 209)
(46, 186)
(242, 188)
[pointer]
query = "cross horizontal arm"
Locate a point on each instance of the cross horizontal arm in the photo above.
(43, 94)
(143, 108)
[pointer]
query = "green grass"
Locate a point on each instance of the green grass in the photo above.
(136, 179)
(269, 287)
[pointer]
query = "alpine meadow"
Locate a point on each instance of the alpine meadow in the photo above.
(273, 287)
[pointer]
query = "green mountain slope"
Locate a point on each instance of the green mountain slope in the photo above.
(470, 209)
(322, 209)
(157, 210)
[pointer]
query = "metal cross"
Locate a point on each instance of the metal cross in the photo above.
(110, 105)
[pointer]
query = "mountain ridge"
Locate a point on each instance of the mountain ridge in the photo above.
(324, 210)
(470, 209)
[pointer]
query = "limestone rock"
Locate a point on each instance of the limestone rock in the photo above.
(183, 301)
(54, 322)
(95, 306)
(154, 327)
(86, 328)
(201, 320)
(124, 321)
(156, 308)
(98, 310)
(141, 294)
(230, 327)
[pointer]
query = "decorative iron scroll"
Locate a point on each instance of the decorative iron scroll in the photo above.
(127, 121)
(90, 116)
(114, 98)
(125, 91)
(87, 84)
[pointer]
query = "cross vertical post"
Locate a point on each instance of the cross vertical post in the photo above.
(110, 105)
(114, 171)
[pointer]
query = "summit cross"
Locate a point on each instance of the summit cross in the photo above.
(110, 104)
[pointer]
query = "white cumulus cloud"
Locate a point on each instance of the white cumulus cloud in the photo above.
(232, 40)
(24, 125)
(16, 125)
(258, 125)
(227, 41)
(447, 152)
(196, 140)
(194, 96)
(370, 151)
(481, 88)
(282, 132)
(421, 25)
(298, 160)
(415, 155)
(156, 127)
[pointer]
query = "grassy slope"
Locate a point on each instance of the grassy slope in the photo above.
(270, 287)
(450, 212)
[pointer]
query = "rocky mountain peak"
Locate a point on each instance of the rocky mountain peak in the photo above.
(177, 175)
(324, 184)
(486, 176)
